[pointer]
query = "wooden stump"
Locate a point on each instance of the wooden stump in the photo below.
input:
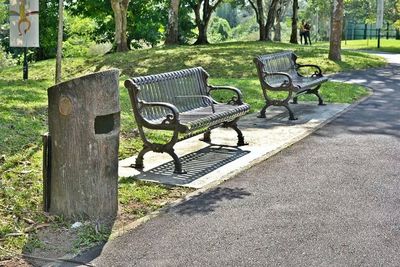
(84, 125)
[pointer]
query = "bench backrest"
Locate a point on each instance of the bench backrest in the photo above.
(278, 62)
(165, 87)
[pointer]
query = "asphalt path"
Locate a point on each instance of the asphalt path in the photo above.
(331, 199)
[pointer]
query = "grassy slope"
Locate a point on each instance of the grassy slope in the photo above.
(23, 109)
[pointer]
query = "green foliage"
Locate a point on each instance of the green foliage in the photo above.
(79, 35)
(219, 30)
(246, 29)
(6, 59)
(363, 11)
(146, 20)
(3, 12)
(48, 17)
(229, 13)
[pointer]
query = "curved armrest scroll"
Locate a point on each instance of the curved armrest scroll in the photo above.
(317, 73)
(171, 119)
(236, 99)
(286, 84)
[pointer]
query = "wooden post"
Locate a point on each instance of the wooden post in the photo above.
(84, 124)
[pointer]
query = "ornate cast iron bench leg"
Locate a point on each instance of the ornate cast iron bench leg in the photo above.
(159, 148)
(291, 114)
(233, 125)
(315, 92)
(263, 110)
(177, 162)
(206, 137)
(139, 159)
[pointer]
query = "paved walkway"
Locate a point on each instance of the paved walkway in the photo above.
(331, 199)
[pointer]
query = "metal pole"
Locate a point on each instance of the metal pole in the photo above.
(345, 30)
(25, 67)
(379, 38)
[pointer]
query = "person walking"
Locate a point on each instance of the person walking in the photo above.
(307, 29)
(302, 31)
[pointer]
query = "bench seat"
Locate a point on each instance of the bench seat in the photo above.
(204, 117)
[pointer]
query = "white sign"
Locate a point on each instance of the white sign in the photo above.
(379, 14)
(24, 23)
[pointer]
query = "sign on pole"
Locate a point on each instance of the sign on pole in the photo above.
(379, 14)
(24, 23)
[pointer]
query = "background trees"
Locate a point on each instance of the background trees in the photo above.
(91, 26)
(203, 9)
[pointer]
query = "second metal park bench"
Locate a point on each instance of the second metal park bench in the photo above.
(280, 72)
(181, 102)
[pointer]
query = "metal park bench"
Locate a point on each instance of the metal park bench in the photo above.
(280, 72)
(181, 102)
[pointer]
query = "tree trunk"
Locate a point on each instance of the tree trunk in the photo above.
(202, 38)
(280, 13)
(173, 19)
(202, 20)
(336, 31)
(271, 18)
(293, 36)
(120, 8)
(260, 17)
(278, 30)
(261, 20)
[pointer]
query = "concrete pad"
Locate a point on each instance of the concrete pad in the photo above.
(208, 164)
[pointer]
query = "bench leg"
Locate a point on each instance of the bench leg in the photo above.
(315, 92)
(240, 136)
(177, 162)
(291, 114)
(262, 111)
(206, 137)
(320, 100)
(139, 159)
(294, 100)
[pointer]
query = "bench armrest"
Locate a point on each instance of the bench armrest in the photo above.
(170, 120)
(236, 99)
(285, 84)
(317, 73)
(209, 99)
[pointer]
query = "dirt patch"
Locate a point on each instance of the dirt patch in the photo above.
(54, 243)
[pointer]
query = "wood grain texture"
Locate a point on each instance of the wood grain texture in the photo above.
(84, 165)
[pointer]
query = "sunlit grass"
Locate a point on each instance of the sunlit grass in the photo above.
(391, 45)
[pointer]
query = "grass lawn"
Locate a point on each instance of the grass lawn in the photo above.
(391, 45)
(23, 118)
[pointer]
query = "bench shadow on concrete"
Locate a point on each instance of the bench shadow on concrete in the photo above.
(197, 164)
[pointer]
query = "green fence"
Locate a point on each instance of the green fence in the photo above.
(360, 31)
